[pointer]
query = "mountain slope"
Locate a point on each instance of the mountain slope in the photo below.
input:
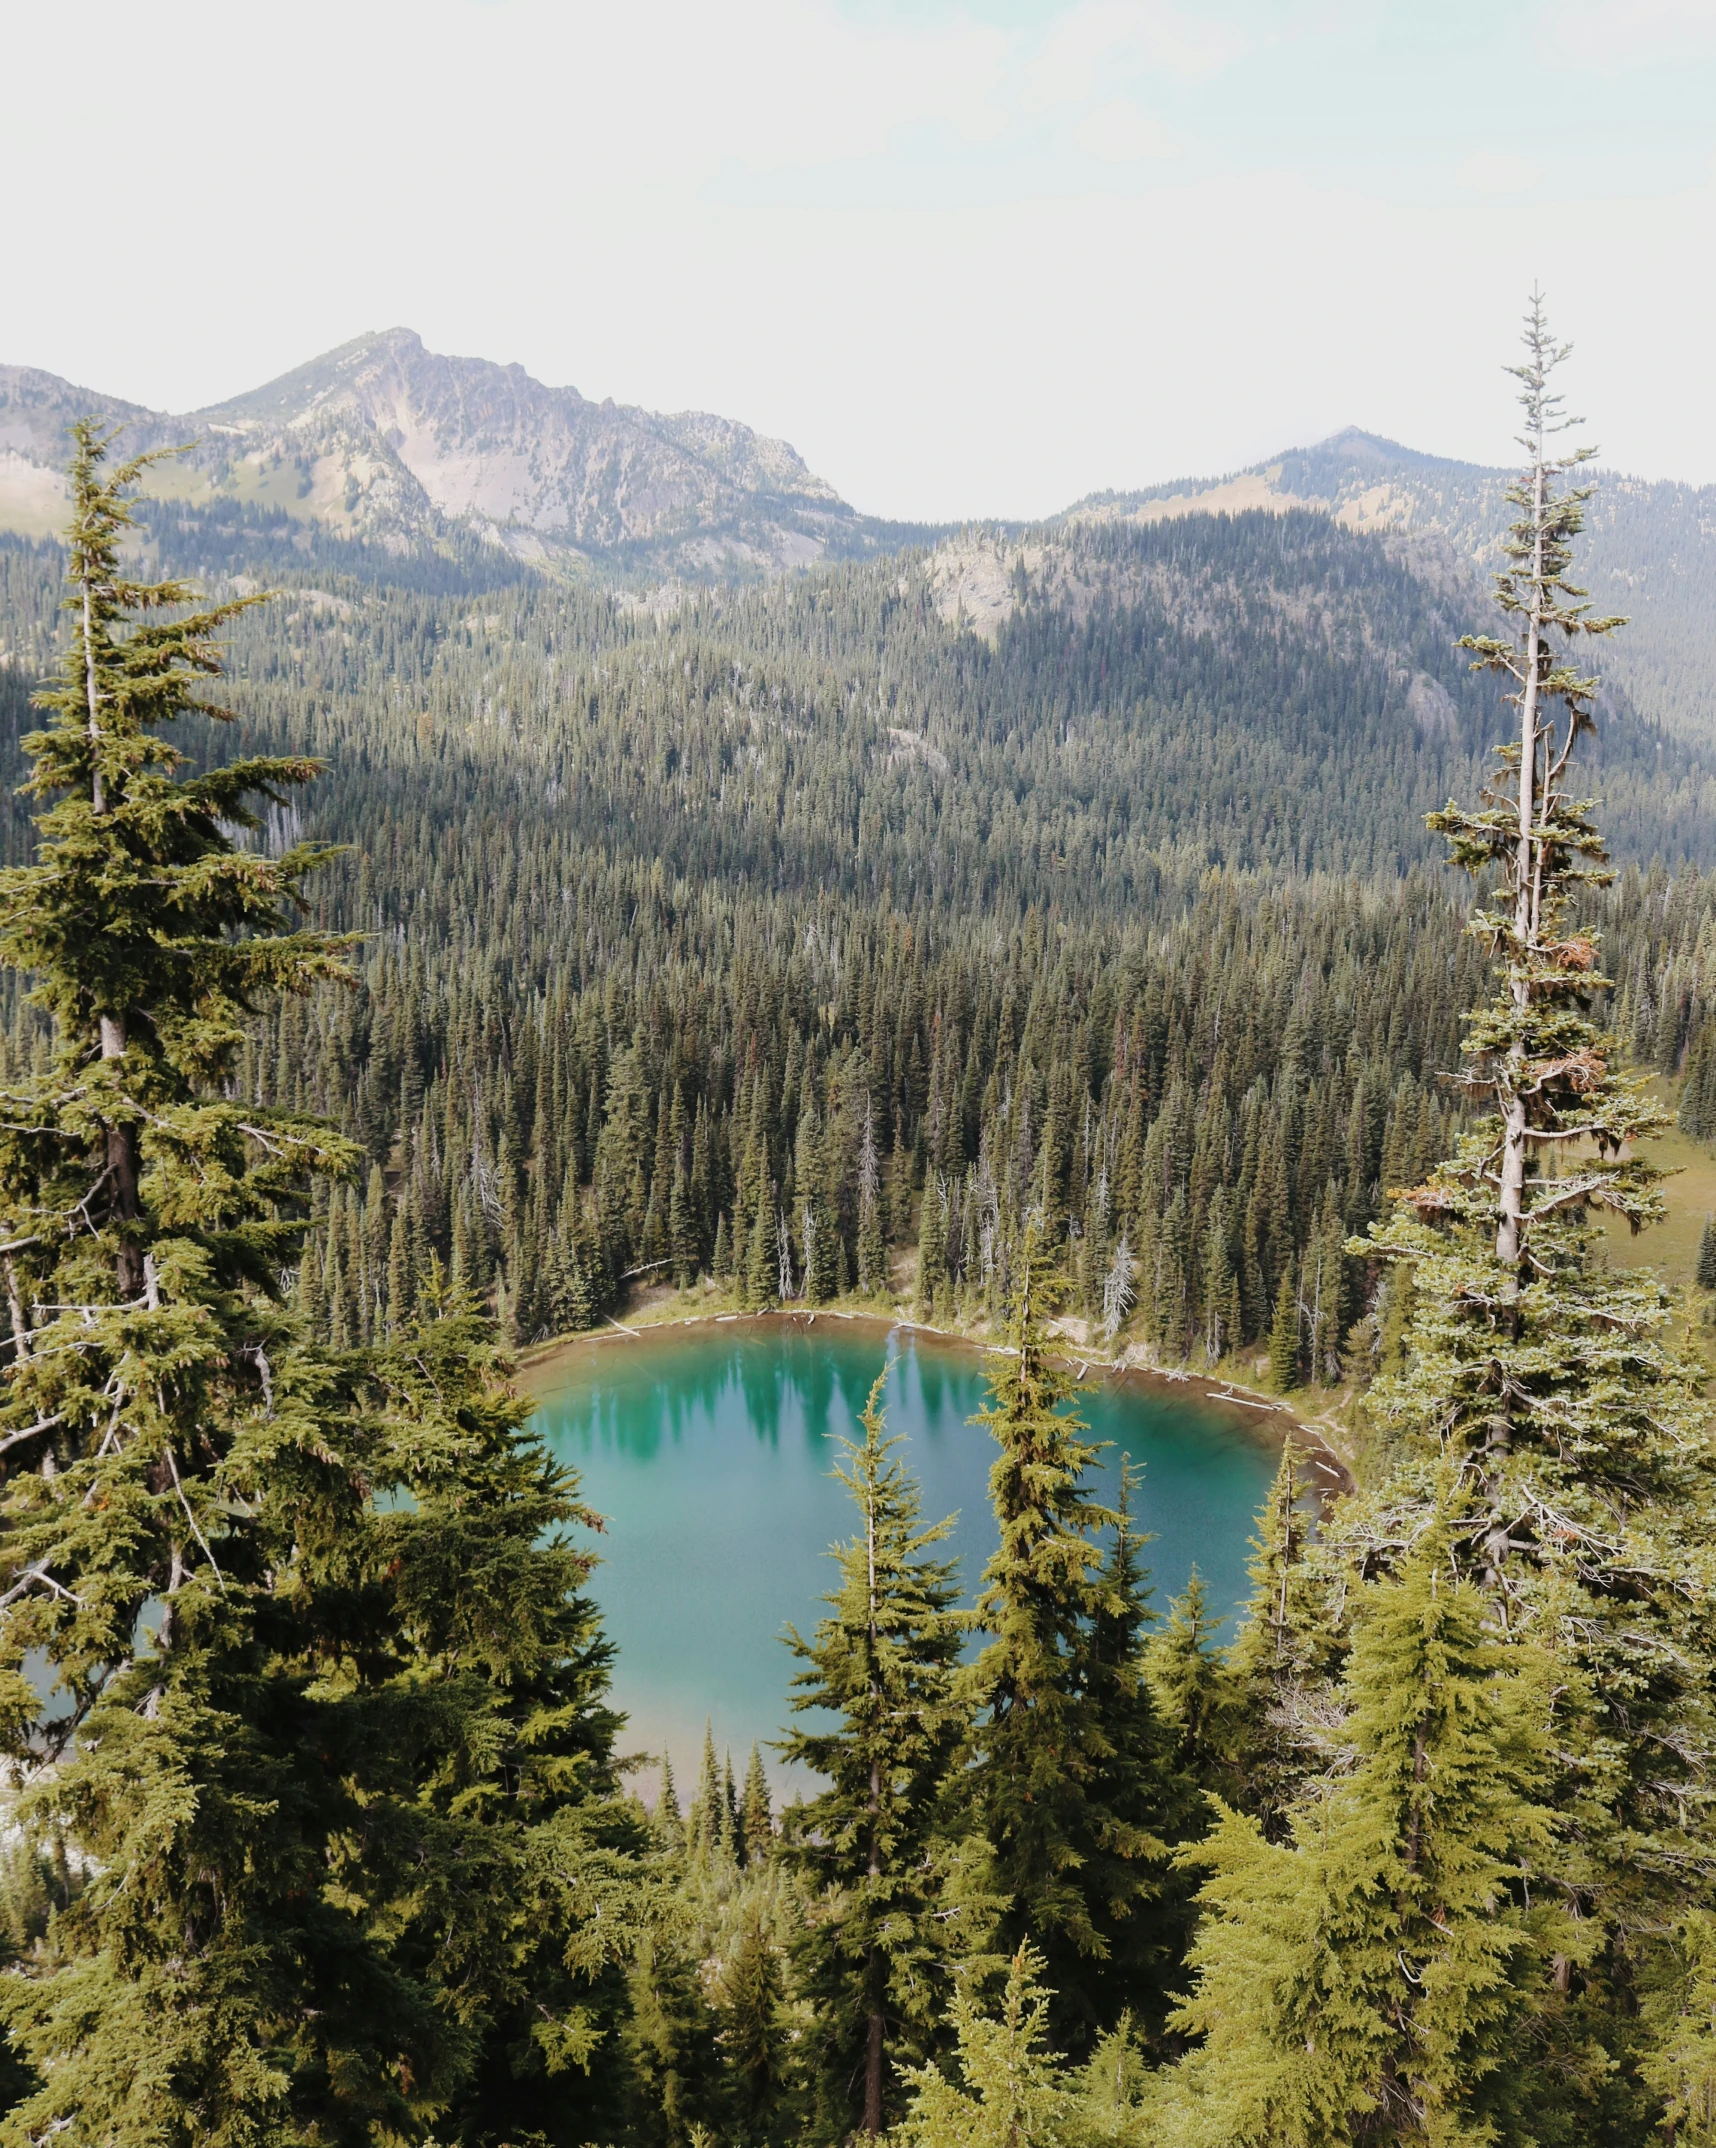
(385, 441)
(391, 462)
(1261, 693)
(1649, 551)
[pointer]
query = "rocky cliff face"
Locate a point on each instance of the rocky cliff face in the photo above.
(391, 442)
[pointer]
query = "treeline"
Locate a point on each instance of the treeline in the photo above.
(787, 1101)
(672, 960)
(798, 1104)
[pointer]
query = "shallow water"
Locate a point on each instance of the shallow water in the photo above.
(709, 1450)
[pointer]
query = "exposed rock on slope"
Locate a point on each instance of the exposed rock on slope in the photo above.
(393, 443)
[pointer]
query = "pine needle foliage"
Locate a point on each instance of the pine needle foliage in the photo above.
(325, 1732)
(878, 1940)
(1369, 1977)
(1004, 2089)
(1065, 1779)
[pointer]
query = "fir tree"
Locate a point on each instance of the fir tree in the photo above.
(885, 1662)
(1198, 1708)
(932, 1249)
(512, 1881)
(1008, 2092)
(1064, 1780)
(709, 1823)
(1111, 2099)
(755, 2038)
(1275, 1666)
(666, 1819)
(1373, 1975)
(756, 1814)
(332, 1749)
(763, 1258)
(669, 2042)
(151, 1387)
(872, 1246)
(1284, 1335)
(1704, 1272)
(1544, 1375)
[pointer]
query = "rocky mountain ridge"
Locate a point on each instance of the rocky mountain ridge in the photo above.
(386, 441)
(387, 460)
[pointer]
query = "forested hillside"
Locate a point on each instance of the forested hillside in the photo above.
(765, 934)
(1042, 924)
(1649, 549)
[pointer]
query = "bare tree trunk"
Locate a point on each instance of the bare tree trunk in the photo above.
(122, 1165)
(873, 2068)
(1510, 1220)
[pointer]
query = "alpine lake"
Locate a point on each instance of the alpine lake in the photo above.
(709, 1449)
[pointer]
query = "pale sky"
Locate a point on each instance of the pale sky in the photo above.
(970, 259)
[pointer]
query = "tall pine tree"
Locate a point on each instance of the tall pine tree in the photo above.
(877, 1935)
(1545, 1376)
(1065, 1780)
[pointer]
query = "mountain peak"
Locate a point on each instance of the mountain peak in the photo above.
(384, 439)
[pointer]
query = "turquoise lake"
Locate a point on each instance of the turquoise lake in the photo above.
(709, 1448)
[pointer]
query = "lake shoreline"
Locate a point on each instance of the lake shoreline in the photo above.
(1265, 1411)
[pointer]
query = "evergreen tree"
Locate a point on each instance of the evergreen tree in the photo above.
(1276, 1666)
(151, 1390)
(884, 1661)
(755, 2038)
(1064, 1780)
(709, 1823)
(1284, 1335)
(1111, 2099)
(331, 1745)
(1009, 2092)
(1373, 1975)
(512, 1883)
(1704, 1272)
(756, 1814)
(1543, 1374)
(932, 1249)
(872, 1246)
(669, 2042)
(1198, 1708)
(763, 1258)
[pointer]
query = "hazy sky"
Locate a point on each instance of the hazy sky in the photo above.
(970, 259)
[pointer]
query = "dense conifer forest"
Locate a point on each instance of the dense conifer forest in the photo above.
(796, 944)
(702, 940)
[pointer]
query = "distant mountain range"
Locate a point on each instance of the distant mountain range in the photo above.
(394, 445)
(393, 461)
